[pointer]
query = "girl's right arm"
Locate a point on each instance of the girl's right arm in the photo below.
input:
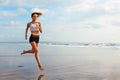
(26, 31)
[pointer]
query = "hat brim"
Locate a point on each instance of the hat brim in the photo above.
(39, 13)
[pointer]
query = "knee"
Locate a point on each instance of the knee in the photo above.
(36, 50)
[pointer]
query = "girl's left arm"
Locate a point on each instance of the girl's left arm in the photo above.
(40, 27)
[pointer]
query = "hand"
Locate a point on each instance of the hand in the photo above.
(26, 37)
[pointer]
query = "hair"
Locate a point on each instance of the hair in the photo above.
(36, 13)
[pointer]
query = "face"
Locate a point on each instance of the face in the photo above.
(35, 16)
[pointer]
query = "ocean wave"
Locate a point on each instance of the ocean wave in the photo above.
(100, 45)
(72, 44)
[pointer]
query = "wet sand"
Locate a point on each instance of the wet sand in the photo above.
(61, 63)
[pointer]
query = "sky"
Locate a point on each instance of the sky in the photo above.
(95, 21)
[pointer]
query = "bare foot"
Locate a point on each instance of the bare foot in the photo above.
(41, 67)
(23, 52)
(40, 77)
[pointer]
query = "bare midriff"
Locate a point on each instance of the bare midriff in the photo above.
(35, 32)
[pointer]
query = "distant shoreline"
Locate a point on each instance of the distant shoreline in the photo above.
(71, 44)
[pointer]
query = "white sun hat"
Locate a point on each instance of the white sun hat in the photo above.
(36, 10)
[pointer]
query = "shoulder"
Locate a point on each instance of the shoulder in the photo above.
(28, 24)
(39, 23)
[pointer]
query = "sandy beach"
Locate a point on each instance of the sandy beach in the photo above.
(60, 62)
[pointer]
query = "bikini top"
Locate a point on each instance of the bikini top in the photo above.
(33, 27)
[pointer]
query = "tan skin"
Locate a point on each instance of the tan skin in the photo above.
(40, 77)
(34, 45)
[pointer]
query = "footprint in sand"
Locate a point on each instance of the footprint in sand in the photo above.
(20, 66)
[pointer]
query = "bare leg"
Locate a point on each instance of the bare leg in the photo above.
(35, 47)
(27, 51)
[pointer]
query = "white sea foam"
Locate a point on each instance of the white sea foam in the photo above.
(70, 44)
